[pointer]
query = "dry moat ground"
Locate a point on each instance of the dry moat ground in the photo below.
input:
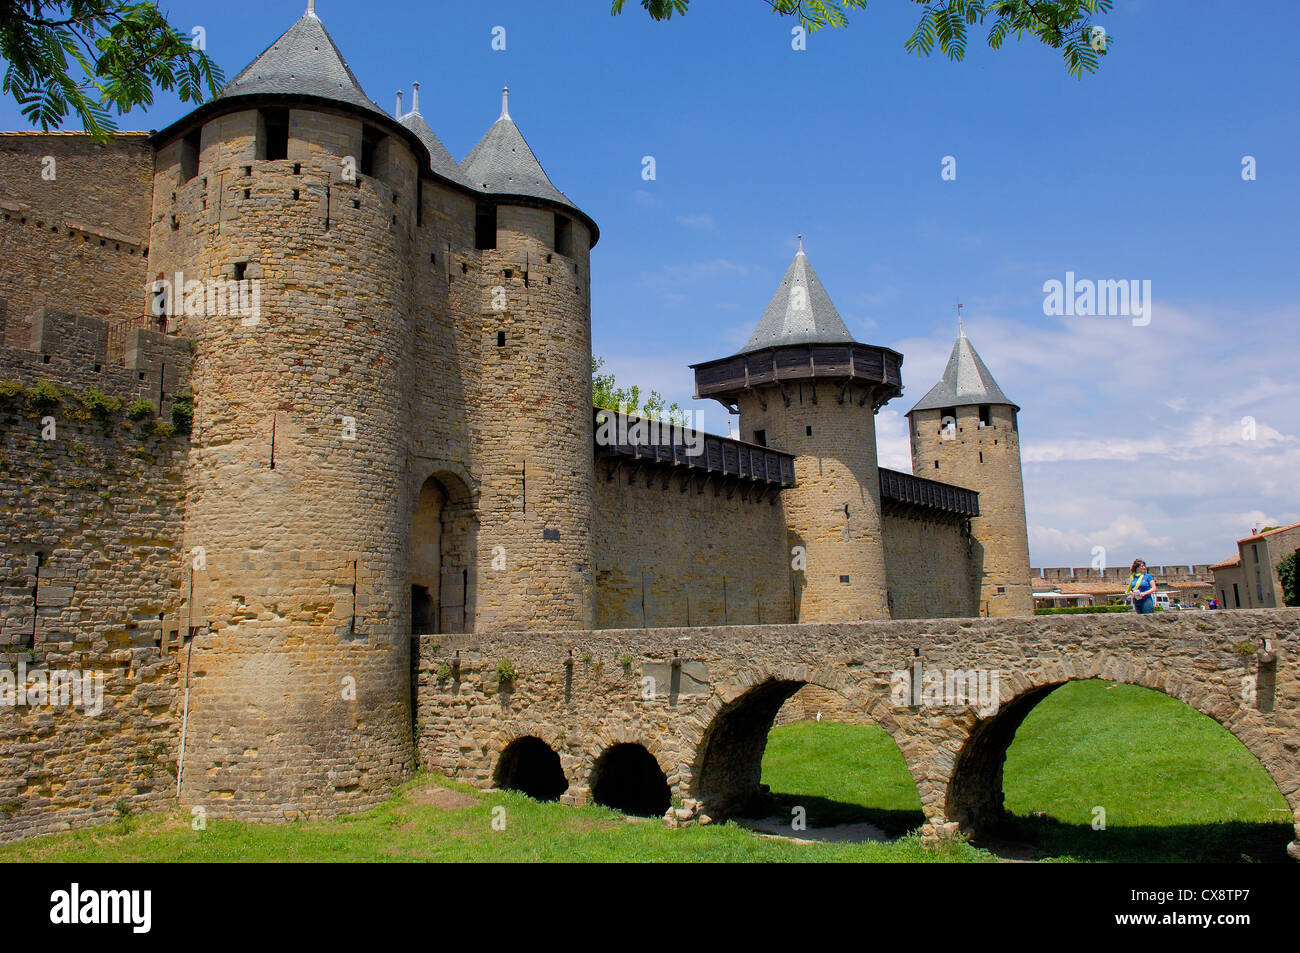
(1174, 785)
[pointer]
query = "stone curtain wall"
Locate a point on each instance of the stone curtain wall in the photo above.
(77, 241)
(703, 558)
(931, 569)
(102, 503)
(707, 736)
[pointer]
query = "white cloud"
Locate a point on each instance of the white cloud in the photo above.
(893, 446)
(1137, 438)
(697, 220)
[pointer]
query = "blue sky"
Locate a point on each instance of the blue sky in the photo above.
(1131, 435)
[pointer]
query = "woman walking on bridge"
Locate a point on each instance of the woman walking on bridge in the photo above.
(1142, 588)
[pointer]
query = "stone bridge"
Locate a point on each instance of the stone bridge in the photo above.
(634, 717)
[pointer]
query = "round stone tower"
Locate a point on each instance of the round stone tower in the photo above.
(288, 203)
(802, 384)
(530, 297)
(964, 432)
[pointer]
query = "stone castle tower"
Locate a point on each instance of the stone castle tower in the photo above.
(964, 431)
(389, 355)
(803, 384)
(366, 458)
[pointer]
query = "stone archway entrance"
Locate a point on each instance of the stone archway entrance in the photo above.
(443, 530)
(627, 778)
(531, 766)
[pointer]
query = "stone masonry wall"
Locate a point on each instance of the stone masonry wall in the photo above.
(931, 569)
(814, 703)
(100, 501)
(531, 422)
(699, 557)
(1260, 555)
(73, 233)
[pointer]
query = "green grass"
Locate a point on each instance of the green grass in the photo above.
(400, 830)
(1175, 785)
(841, 774)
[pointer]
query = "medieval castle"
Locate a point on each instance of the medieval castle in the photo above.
(283, 384)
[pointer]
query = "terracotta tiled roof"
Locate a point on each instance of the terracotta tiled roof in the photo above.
(1280, 529)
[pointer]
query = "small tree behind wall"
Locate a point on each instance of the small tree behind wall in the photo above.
(1286, 571)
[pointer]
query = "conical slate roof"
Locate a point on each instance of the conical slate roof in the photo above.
(965, 381)
(304, 61)
(440, 159)
(800, 312)
(503, 163)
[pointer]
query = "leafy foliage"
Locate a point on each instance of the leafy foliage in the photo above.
(1286, 571)
(1064, 25)
(506, 672)
(92, 58)
(183, 413)
(1082, 610)
(139, 408)
(99, 404)
(43, 396)
(606, 393)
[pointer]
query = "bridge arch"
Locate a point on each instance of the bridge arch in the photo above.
(628, 778)
(728, 762)
(531, 766)
(973, 793)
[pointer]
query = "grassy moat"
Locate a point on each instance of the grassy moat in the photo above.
(1175, 786)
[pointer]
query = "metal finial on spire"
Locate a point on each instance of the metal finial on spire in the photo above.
(505, 102)
(960, 328)
(415, 98)
(800, 251)
(311, 8)
(398, 114)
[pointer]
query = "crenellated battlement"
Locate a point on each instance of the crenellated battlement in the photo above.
(1198, 572)
(75, 351)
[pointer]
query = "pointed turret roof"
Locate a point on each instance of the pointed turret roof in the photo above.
(304, 61)
(440, 159)
(965, 381)
(800, 312)
(503, 163)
